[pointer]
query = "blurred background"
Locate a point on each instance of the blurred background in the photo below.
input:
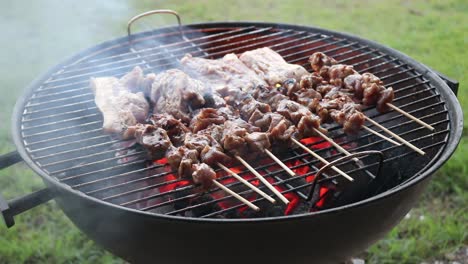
(36, 35)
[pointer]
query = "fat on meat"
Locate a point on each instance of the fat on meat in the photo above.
(269, 65)
(121, 101)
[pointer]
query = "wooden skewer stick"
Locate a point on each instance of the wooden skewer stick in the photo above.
(248, 184)
(324, 161)
(240, 198)
(396, 136)
(410, 116)
(286, 168)
(261, 178)
(380, 135)
(340, 148)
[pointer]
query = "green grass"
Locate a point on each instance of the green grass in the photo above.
(37, 35)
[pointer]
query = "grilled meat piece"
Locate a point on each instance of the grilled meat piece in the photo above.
(350, 116)
(250, 105)
(258, 141)
(309, 98)
(386, 96)
(311, 81)
(318, 60)
(353, 83)
(270, 66)
(175, 129)
(366, 88)
(210, 151)
(233, 139)
(175, 93)
(181, 160)
(302, 117)
(154, 139)
(338, 72)
(120, 107)
(291, 86)
(204, 118)
(267, 95)
(203, 174)
(223, 75)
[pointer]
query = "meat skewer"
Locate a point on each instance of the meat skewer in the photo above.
(275, 69)
(202, 173)
(240, 138)
(261, 178)
(366, 86)
(324, 161)
(251, 186)
(237, 196)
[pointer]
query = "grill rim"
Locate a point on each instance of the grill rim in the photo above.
(449, 98)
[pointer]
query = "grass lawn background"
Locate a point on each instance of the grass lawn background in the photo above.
(36, 35)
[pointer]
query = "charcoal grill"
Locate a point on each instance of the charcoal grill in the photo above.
(128, 205)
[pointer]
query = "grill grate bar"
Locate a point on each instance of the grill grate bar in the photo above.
(68, 143)
(239, 30)
(138, 153)
(103, 170)
(132, 65)
(183, 41)
(204, 56)
(29, 144)
(61, 129)
(58, 115)
(76, 150)
(61, 121)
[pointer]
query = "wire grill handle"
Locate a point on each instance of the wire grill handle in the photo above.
(347, 157)
(152, 12)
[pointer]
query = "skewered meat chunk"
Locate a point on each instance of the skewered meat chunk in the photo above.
(204, 118)
(209, 149)
(181, 159)
(353, 83)
(203, 174)
(367, 87)
(309, 98)
(270, 66)
(258, 141)
(291, 86)
(175, 129)
(268, 96)
(228, 73)
(304, 120)
(234, 138)
(249, 105)
(310, 81)
(338, 72)
(154, 139)
(120, 107)
(318, 60)
(350, 116)
(386, 96)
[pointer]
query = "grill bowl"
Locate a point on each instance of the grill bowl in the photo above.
(329, 235)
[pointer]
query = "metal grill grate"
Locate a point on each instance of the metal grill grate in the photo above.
(61, 126)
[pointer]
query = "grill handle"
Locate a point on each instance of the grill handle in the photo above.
(347, 157)
(152, 12)
(453, 84)
(16, 206)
